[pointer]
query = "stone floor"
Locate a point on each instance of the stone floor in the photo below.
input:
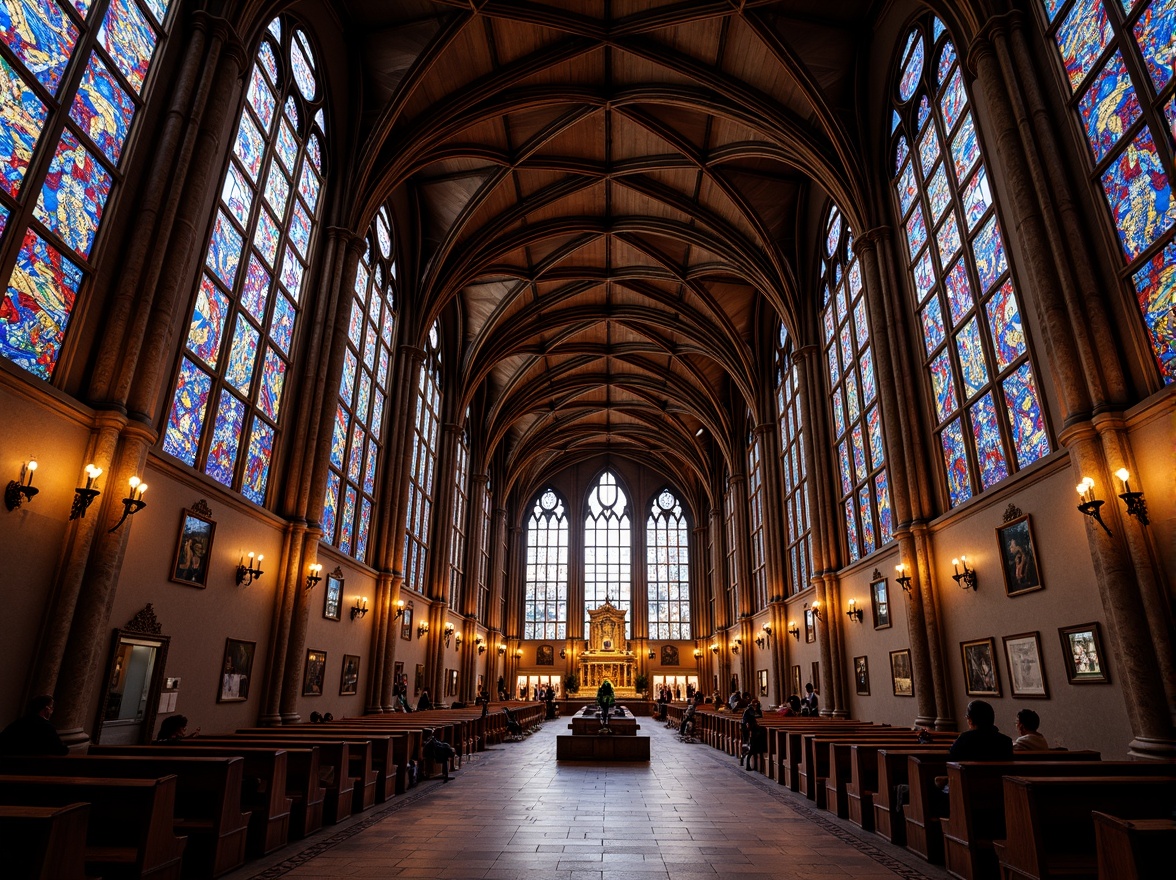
(514, 813)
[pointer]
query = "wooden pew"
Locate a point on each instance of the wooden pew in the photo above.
(44, 843)
(129, 834)
(208, 799)
(814, 770)
(1129, 849)
(839, 764)
(790, 743)
(893, 770)
(863, 779)
(1051, 826)
(369, 757)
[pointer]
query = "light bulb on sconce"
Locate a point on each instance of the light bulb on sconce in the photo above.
(904, 579)
(697, 653)
(714, 649)
(247, 574)
(736, 645)
(22, 490)
(767, 630)
(1136, 506)
(965, 579)
(519, 653)
(652, 653)
(501, 650)
(563, 653)
(360, 608)
(422, 628)
(399, 609)
(448, 633)
(84, 495)
(134, 502)
(817, 610)
(1091, 506)
(313, 576)
(854, 613)
(794, 631)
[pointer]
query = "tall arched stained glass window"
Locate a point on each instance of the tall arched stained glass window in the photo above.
(857, 420)
(667, 563)
(545, 605)
(423, 453)
(358, 432)
(755, 513)
(1119, 60)
(457, 539)
(484, 556)
(793, 467)
(73, 77)
(229, 389)
(986, 409)
(607, 549)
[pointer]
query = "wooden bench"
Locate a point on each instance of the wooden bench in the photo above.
(839, 763)
(369, 755)
(893, 771)
(1051, 826)
(44, 843)
(129, 834)
(1129, 849)
(814, 772)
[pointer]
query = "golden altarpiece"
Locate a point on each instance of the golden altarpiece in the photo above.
(607, 656)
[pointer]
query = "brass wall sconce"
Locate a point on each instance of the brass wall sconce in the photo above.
(481, 648)
(904, 579)
(84, 495)
(519, 653)
(854, 613)
(1091, 506)
(697, 653)
(448, 633)
(1136, 506)
(422, 628)
(360, 608)
(457, 641)
(652, 653)
(133, 503)
(313, 576)
(736, 645)
(563, 653)
(759, 642)
(965, 579)
(767, 628)
(714, 649)
(501, 650)
(399, 610)
(246, 573)
(22, 490)
(817, 610)
(794, 631)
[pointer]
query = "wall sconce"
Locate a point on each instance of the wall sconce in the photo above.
(854, 613)
(313, 576)
(904, 579)
(457, 641)
(21, 490)
(714, 649)
(399, 610)
(501, 650)
(817, 610)
(767, 628)
(481, 648)
(247, 574)
(965, 579)
(1091, 505)
(1136, 506)
(563, 653)
(519, 653)
(759, 641)
(794, 631)
(448, 633)
(422, 628)
(736, 645)
(652, 653)
(134, 502)
(697, 653)
(84, 495)
(359, 609)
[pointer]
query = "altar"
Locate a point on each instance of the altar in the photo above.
(589, 741)
(607, 657)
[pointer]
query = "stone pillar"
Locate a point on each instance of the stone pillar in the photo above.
(744, 604)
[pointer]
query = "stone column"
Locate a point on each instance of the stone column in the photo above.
(744, 604)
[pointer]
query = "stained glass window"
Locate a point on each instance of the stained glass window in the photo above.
(357, 435)
(1118, 60)
(792, 462)
(607, 549)
(457, 538)
(545, 581)
(667, 565)
(484, 556)
(424, 440)
(80, 69)
(964, 293)
(755, 512)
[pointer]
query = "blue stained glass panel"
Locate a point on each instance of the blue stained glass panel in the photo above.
(928, 150)
(933, 329)
(36, 308)
(237, 194)
(208, 322)
(1155, 32)
(308, 185)
(129, 40)
(851, 534)
(362, 528)
(865, 507)
(255, 289)
(959, 486)
(22, 116)
(989, 447)
(855, 277)
(268, 60)
(988, 253)
(158, 8)
(860, 327)
(103, 109)
(355, 459)
(937, 29)
(369, 348)
(846, 344)
(1109, 107)
(74, 194)
(285, 146)
(846, 476)
(947, 237)
(834, 370)
(938, 193)
(41, 35)
(1004, 321)
(266, 236)
(347, 520)
(292, 270)
(833, 234)
(242, 355)
(249, 146)
(1081, 38)
(1025, 418)
(261, 99)
(363, 398)
(347, 380)
(874, 425)
(867, 364)
(859, 453)
(282, 326)
(226, 439)
(339, 436)
(369, 467)
(916, 230)
(959, 292)
(924, 272)
(277, 190)
(355, 326)
(924, 111)
(852, 405)
(943, 384)
(964, 148)
(841, 306)
(885, 517)
(275, 28)
(224, 250)
(954, 100)
(901, 151)
(3, 219)
(299, 229)
(315, 152)
(1170, 113)
(292, 111)
(977, 197)
(377, 422)
(947, 57)
(1155, 285)
(273, 379)
(894, 120)
(838, 413)
(912, 65)
(261, 447)
(302, 65)
(1052, 7)
(1139, 195)
(331, 507)
(971, 354)
(186, 420)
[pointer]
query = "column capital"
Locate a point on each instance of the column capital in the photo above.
(414, 353)
(871, 238)
(805, 353)
(220, 28)
(351, 240)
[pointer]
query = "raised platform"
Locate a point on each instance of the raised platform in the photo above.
(569, 747)
(587, 723)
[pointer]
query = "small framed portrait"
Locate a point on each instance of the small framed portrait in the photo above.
(669, 655)
(810, 625)
(236, 671)
(761, 677)
(980, 677)
(418, 682)
(1083, 654)
(1018, 557)
(1023, 661)
(333, 596)
(545, 655)
(194, 547)
(349, 677)
(816, 675)
(861, 675)
(451, 682)
(880, 602)
(313, 674)
(900, 673)
(406, 623)
(794, 681)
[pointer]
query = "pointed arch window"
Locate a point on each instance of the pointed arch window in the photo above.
(457, 540)
(484, 556)
(731, 570)
(545, 605)
(984, 391)
(793, 467)
(425, 430)
(73, 78)
(229, 389)
(667, 560)
(607, 549)
(1119, 61)
(358, 433)
(755, 510)
(857, 418)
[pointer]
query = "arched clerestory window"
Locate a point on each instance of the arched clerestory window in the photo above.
(545, 585)
(457, 521)
(985, 403)
(607, 549)
(667, 561)
(73, 79)
(857, 419)
(755, 515)
(1119, 62)
(793, 467)
(228, 400)
(425, 431)
(357, 436)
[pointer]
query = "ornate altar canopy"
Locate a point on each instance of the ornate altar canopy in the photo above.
(607, 656)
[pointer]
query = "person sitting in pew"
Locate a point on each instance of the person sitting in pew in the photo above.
(982, 741)
(424, 704)
(174, 730)
(32, 733)
(1028, 738)
(791, 708)
(512, 724)
(438, 751)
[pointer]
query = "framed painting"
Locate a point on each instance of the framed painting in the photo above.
(451, 682)
(1083, 654)
(194, 547)
(980, 676)
(406, 623)
(761, 676)
(418, 682)
(880, 602)
(794, 682)
(349, 677)
(545, 655)
(1018, 557)
(900, 673)
(1023, 661)
(236, 671)
(333, 596)
(313, 673)
(861, 675)
(810, 625)
(669, 655)
(815, 680)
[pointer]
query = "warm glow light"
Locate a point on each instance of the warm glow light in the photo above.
(32, 465)
(1123, 474)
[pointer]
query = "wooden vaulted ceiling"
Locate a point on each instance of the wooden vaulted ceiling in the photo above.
(612, 191)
